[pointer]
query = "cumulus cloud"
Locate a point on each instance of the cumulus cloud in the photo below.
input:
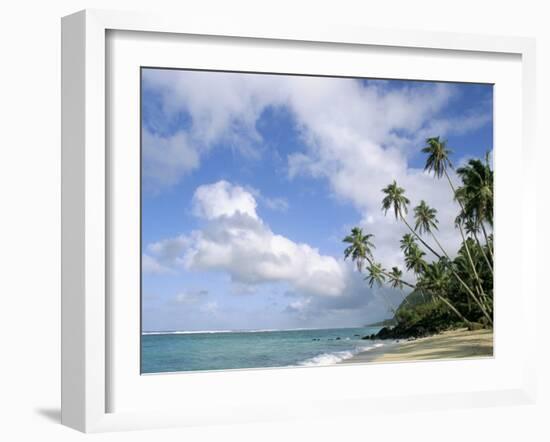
(223, 199)
(235, 240)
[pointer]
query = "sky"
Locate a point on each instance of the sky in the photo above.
(250, 182)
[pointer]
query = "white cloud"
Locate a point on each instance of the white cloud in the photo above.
(223, 199)
(237, 241)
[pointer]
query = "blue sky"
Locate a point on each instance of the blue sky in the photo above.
(250, 181)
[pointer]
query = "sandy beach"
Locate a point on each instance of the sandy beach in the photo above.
(460, 343)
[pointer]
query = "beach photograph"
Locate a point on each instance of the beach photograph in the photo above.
(303, 220)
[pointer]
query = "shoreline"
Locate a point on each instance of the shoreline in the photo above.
(452, 344)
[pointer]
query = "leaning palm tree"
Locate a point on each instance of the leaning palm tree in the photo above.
(438, 162)
(360, 247)
(477, 191)
(426, 222)
(463, 268)
(476, 196)
(438, 157)
(425, 217)
(395, 278)
(414, 260)
(375, 274)
(360, 251)
(395, 199)
(407, 243)
(436, 280)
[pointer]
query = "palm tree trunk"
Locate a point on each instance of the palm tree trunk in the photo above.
(448, 304)
(484, 254)
(418, 236)
(478, 280)
(487, 242)
(460, 227)
(445, 301)
(474, 297)
(472, 265)
(388, 276)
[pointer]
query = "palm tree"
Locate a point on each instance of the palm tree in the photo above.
(477, 190)
(425, 217)
(438, 162)
(426, 221)
(414, 260)
(476, 196)
(463, 268)
(360, 250)
(438, 157)
(436, 280)
(436, 277)
(395, 198)
(395, 278)
(360, 247)
(407, 243)
(375, 274)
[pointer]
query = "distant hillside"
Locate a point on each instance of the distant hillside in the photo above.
(413, 299)
(385, 323)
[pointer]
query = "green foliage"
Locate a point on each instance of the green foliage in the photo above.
(476, 192)
(360, 247)
(375, 274)
(438, 156)
(395, 198)
(395, 278)
(424, 217)
(423, 319)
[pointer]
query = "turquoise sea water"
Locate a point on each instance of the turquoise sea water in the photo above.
(191, 351)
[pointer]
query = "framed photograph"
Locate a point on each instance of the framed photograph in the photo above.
(270, 223)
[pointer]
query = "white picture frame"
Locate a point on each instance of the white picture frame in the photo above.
(86, 203)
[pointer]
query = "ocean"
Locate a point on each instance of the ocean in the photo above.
(222, 350)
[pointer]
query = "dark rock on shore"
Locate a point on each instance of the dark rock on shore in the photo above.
(420, 329)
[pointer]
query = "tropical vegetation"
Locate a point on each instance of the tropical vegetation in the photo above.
(440, 291)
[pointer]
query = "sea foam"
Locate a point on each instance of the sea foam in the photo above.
(338, 356)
